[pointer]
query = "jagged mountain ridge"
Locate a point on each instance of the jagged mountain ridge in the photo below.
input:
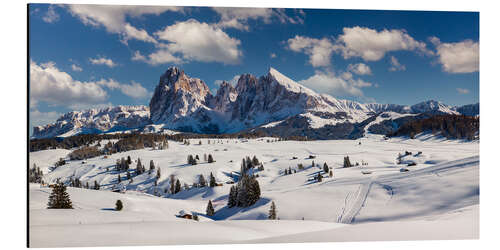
(95, 121)
(186, 104)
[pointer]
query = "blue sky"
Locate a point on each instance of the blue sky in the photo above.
(85, 56)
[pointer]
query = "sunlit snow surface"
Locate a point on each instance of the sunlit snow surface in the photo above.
(436, 199)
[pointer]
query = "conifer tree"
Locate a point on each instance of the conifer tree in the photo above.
(272, 212)
(201, 181)
(255, 161)
(129, 160)
(59, 198)
(119, 178)
(320, 177)
(172, 184)
(325, 168)
(210, 209)
(118, 205)
(177, 186)
(128, 175)
(212, 182)
(151, 166)
(96, 185)
(210, 158)
(158, 174)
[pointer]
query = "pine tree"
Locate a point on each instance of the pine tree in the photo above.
(158, 174)
(212, 182)
(210, 158)
(129, 160)
(255, 161)
(172, 184)
(320, 177)
(96, 185)
(201, 181)
(325, 168)
(138, 168)
(195, 217)
(177, 186)
(128, 175)
(210, 209)
(231, 202)
(272, 212)
(118, 205)
(119, 178)
(347, 162)
(59, 198)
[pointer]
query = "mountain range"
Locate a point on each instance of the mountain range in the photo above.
(273, 104)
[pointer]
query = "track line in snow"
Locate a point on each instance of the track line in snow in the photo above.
(348, 218)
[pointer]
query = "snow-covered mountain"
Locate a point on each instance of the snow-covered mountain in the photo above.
(186, 104)
(95, 121)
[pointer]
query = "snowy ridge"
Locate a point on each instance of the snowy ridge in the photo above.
(185, 104)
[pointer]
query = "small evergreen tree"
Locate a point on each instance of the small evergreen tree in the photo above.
(129, 160)
(96, 185)
(177, 186)
(118, 205)
(128, 175)
(347, 162)
(210, 209)
(195, 217)
(325, 168)
(151, 166)
(255, 161)
(119, 178)
(158, 174)
(59, 198)
(201, 181)
(272, 212)
(172, 184)
(320, 177)
(210, 158)
(212, 182)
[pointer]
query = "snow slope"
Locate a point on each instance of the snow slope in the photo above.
(440, 192)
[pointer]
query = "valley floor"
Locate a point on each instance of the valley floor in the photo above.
(436, 199)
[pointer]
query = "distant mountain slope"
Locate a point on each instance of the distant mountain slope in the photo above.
(270, 102)
(95, 121)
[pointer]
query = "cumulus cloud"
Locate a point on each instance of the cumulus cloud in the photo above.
(395, 65)
(113, 18)
(158, 57)
(318, 50)
(462, 91)
(198, 41)
(360, 69)
(343, 85)
(134, 90)
(51, 15)
(459, 57)
(238, 18)
(49, 84)
(372, 45)
(272, 55)
(77, 68)
(102, 61)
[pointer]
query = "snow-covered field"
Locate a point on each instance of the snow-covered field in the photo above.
(436, 199)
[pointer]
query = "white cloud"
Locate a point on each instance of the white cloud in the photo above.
(459, 57)
(134, 90)
(158, 57)
(395, 65)
(327, 82)
(49, 84)
(102, 61)
(77, 68)
(238, 18)
(463, 91)
(372, 45)
(199, 41)
(38, 118)
(272, 55)
(318, 50)
(113, 18)
(51, 15)
(360, 69)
